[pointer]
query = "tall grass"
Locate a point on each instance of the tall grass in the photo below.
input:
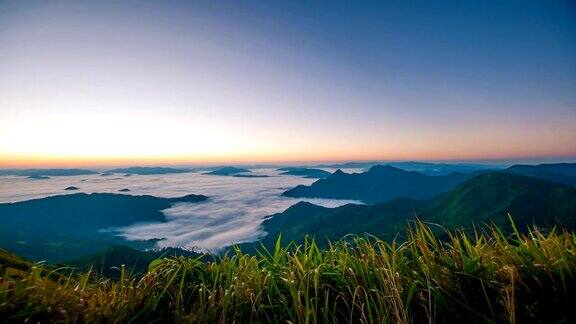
(484, 278)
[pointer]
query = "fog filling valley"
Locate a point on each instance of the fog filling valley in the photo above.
(233, 213)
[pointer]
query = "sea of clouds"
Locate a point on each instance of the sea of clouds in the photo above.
(233, 213)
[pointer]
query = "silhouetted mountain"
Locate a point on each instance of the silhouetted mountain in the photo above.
(38, 177)
(305, 172)
(568, 169)
(557, 172)
(46, 172)
(69, 226)
(427, 168)
(349, 165)
(124, 190)
(149, 170)
(484, 199)
(379, 184)
(436, 169)
(227, 171)
(250, 176)
(71, 188)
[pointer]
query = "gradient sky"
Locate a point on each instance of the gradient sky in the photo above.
(237, 81)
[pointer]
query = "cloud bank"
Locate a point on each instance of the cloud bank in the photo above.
(233, 214)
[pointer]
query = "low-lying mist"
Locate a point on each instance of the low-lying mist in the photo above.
(232, 214)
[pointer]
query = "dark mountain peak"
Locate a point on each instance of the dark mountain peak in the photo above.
(338, 172)
(295, 214)
(302, 203)
(379, 184)
(303, 206)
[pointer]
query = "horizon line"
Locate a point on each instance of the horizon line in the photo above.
(147, 162)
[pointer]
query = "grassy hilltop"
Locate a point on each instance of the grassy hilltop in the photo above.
(490, 277)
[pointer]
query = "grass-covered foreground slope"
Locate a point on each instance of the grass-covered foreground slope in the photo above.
(487, 279)
(485, 199)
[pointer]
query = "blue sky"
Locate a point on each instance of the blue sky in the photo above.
(284, 81)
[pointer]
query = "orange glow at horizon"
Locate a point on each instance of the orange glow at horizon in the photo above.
(37, 161)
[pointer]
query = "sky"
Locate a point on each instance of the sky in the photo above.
(156, 82)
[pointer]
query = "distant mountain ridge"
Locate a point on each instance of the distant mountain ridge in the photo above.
(484, 199)
(305, 172)
(428, 168)
(228, 171)
(558, 172)
(379, 184)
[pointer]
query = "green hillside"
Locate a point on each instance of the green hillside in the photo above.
(491, 197)
(484, 199)
(304, 218)
(64, 227)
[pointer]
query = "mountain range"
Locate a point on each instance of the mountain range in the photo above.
(73, 226)
(383, 183)
(485, 199)
(557, 172)
(428, 168)
(379, 184)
